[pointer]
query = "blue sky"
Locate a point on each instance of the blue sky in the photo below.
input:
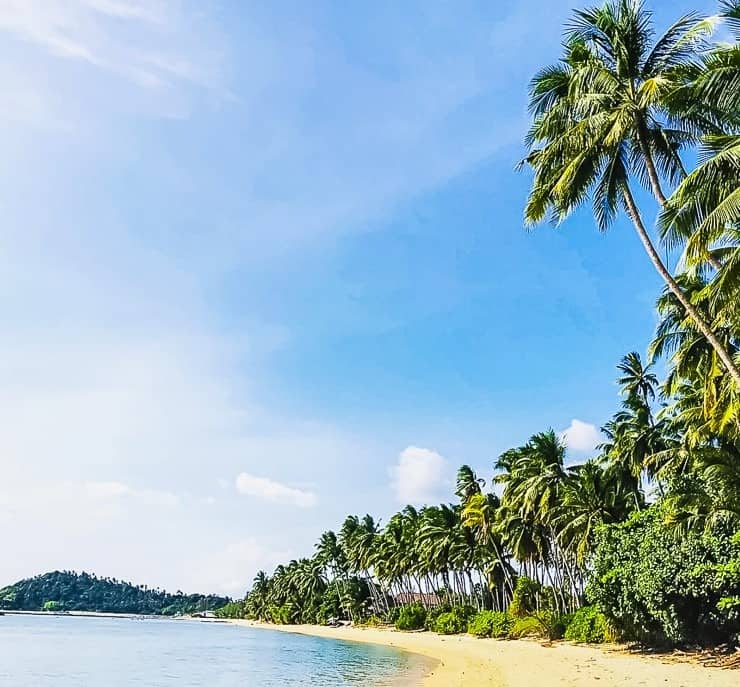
(264, 265)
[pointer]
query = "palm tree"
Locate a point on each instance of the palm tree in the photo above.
(601, 118)
(704, 211)
(480, 514)
(592, 496)
(696, 378)
(468, 483)
(637, 379)
(330, 553)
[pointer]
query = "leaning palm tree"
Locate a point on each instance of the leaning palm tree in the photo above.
(703, 214)
(601, 120)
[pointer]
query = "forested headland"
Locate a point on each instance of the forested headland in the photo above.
(69, 591)
(642, 541)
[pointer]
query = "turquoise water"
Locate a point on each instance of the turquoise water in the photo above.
(65, 651)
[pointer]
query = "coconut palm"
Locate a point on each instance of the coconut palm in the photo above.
(591, 497)
(601, 119)
(468, 483)
(704, 211)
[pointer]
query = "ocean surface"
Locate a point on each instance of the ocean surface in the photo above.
(66, 651)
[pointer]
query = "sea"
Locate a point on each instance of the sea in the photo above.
(70, 651)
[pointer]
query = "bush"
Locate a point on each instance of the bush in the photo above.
(490, 624)
(233, 609)
(453, 622)
(547, 624)
(524, 600)
(588, 625)
(553, 624)
(433, 614)
(411, 617)
(662, 589)
(526, 626)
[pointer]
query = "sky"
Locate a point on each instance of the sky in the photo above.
(263, 265)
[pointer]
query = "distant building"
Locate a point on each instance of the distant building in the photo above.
(429, 600)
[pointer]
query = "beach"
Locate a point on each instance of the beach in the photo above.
(470, 662)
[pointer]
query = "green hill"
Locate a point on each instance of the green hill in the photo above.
(70, 591)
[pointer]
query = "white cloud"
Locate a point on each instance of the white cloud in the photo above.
(581, 436)
(421, 476)
(99, 32)
(270, 490)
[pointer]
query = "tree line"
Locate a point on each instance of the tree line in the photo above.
(647, 529)
(71, 591)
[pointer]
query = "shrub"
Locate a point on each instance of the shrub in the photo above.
(433, 614)
(411, 617)
(373, 621)
(662, 589)
(490, 624)
(233, 609)
(524, 600)
(588, 625)
(553, 624)
(547, 624)
(449, 624)
(453, 622)
(526, 626)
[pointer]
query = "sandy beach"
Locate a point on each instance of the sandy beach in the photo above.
(465, 660)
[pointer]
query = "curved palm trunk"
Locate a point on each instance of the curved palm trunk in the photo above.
(701, 323)
(654, 178)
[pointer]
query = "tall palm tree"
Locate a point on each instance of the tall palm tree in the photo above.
(592, 496)
(695, 374)
(704, 211)
(330, 553)
(637, 378)
(601, 118)
(468, 483)
(480, 514)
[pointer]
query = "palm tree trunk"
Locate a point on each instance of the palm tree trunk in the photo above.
(652, 172)
(656, 188)
(701, 323)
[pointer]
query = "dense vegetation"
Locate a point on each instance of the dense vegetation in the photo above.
(647, 529)
(69, 591)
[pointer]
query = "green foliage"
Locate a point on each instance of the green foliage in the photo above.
(553, 623)
(233, 609)
(52, 606)
(724, 578)
(453, 622)
(433, 614)
(547, 624)
(411, 617)
(657, 586)
(588, 625)
(526, 597)
(85, 592)
(526, 626)
(494, 624)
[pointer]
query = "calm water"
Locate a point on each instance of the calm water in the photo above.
(45, 651)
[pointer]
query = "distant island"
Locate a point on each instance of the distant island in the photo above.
(61, 591)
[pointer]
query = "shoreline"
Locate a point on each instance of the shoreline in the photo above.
(465, 661)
